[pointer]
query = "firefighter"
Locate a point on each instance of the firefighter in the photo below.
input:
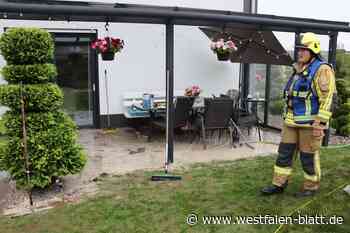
(308, 96)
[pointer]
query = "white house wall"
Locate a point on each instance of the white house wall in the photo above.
(141, 65)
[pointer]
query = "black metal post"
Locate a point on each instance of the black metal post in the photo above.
(169, 92)
(332, 60)
(247, 8)
(333, 48)
(296, 41)
(267, 94)
(245, 85)
(169, 64)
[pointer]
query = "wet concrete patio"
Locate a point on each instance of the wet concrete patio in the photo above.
(122, 151)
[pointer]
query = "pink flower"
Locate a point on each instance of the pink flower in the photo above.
(101, 47)
(259, 77)
(104, 49)
(107, 43)
(230, 44)
(220, 44)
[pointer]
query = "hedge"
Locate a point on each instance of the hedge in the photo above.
(29, 74)
(39, 97)
(27, 46)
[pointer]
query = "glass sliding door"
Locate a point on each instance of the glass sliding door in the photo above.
(75, 76)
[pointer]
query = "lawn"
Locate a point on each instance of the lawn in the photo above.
(132, 203)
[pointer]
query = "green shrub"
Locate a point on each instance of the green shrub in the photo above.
(343, 120)
(29, 74)
(37, 121)
(342, 124)
(41, 97)
(276, 107)
(343, 90)
(52, 148)
(3, 130)
(342, 110)
(27, 46)
(345, 130)
(51, 134)
(341, 116)
(51, 153)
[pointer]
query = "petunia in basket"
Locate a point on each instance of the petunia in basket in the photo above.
(223, 48)
(108, 46)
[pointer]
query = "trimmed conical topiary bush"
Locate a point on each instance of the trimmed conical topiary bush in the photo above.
(51, 134)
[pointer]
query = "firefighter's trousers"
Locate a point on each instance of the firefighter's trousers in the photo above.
(298, 140)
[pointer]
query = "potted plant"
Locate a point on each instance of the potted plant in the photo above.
(223, 49)
(192, 91)
(108, 46)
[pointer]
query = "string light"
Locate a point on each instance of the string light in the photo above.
(5, 15)
(270, 52)
(21, 14)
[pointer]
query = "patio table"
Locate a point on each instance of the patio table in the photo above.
(255, 102)
(135, 111)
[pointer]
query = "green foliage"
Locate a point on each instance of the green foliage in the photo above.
(2, 127)
(52, 153)
(276, 107)
(341, 117)
(343, 89)
(40, 97)
(27, 46)
(51, 134)
(345, 129)
(343, 110)
(37, 121)
(29, 74)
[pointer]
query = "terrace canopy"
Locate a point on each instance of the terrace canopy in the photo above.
(169, 16)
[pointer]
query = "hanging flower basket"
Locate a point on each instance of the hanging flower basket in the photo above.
(108, 47)
(108, 56)
(223, 56)
(223, 49)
